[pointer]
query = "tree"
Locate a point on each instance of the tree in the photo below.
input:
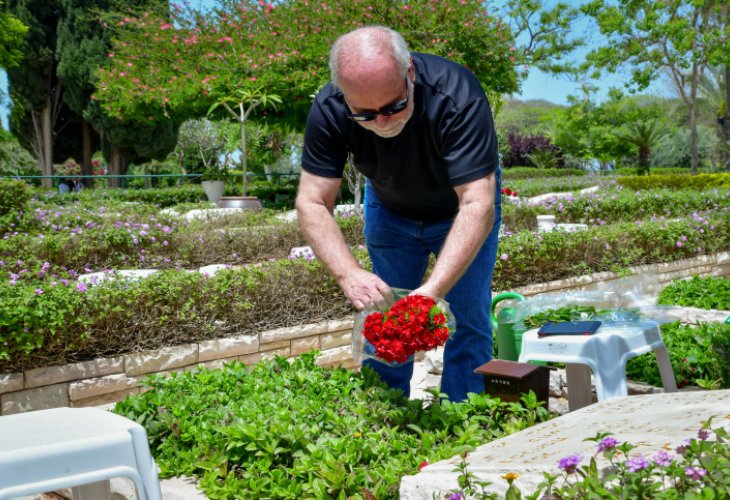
(588, 131)
(200, 143)
(644, 135)
(12, 31)
(34, 87)
(183, 62)
(680, 36)
(543, 35)
(239, 105)
(82, 47)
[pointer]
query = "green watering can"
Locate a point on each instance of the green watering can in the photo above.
(509, 331)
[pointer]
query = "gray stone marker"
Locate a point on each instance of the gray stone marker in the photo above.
(650, 422)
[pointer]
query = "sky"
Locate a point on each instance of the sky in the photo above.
(538, 85)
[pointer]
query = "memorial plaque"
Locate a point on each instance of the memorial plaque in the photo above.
(508, 380)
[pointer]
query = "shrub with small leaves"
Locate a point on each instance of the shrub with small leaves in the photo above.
(14, 196)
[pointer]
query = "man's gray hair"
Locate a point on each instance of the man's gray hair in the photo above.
(370, 45)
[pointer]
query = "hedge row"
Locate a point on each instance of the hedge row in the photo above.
(42, 322)
(675, 181)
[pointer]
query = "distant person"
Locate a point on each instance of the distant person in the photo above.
(64, 186)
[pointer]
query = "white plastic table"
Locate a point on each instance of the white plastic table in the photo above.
(79, 448)
(605, 353)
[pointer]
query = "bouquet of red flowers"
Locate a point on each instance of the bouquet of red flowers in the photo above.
(413, 323)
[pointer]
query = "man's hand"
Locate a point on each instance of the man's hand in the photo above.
(364, 289)
(315, 203)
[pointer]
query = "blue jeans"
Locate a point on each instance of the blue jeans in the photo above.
(399, 249)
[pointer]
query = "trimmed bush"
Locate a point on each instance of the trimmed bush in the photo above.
(522, 172)
(14, 196)
(44, 323)
(675, 181)
(604, 207)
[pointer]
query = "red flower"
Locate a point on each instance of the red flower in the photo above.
(413, 323)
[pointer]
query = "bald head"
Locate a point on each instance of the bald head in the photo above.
(368, 56)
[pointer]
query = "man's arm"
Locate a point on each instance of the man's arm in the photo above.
(473, 223)
(315, 204)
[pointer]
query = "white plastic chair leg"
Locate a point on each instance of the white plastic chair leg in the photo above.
(94, 491)
(665, 369)
(579, 385)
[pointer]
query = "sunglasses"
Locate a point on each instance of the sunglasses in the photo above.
(387, 111)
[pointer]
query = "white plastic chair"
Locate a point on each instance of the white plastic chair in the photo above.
(605, 353)
(79, 448)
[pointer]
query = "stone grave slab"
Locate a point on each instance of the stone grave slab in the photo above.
(649, 421)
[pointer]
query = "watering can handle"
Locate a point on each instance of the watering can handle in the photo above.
(499, 298)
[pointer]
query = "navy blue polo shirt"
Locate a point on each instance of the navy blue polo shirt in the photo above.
(449, 140)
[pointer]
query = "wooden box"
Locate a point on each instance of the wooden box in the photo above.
(508, 380)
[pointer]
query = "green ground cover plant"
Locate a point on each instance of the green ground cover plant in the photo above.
(694, 354)
(295, 430)
(704, 293)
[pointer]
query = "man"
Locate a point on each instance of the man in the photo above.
(420, 129)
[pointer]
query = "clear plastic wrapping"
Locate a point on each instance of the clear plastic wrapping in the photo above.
(363, 349)
(628, 301)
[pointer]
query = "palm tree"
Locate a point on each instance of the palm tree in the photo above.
(644, 135)
(543, 158)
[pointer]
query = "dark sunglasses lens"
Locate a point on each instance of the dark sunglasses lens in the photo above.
(362, 117)
(395, 109)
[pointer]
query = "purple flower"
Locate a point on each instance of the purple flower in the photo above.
(663, 458)
(695, 473)
(569, 463)
(607, 443)
(456, 496)
(683, 447)
(81, 286)
(64, 282)
(38, 291)
(636, 464)
(679, 244)
(503, 256)
(703, 434)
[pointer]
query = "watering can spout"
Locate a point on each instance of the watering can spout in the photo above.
(509, 340)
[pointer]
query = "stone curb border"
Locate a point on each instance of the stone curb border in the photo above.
(107, 380)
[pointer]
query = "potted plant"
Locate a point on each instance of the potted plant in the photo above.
(239, 106)
(214, 182)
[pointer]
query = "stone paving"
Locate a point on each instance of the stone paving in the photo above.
(651, 422)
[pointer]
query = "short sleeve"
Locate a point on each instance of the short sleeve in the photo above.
(469, 143)
(324, 152)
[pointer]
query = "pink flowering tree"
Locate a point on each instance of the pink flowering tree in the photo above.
(180, 63)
